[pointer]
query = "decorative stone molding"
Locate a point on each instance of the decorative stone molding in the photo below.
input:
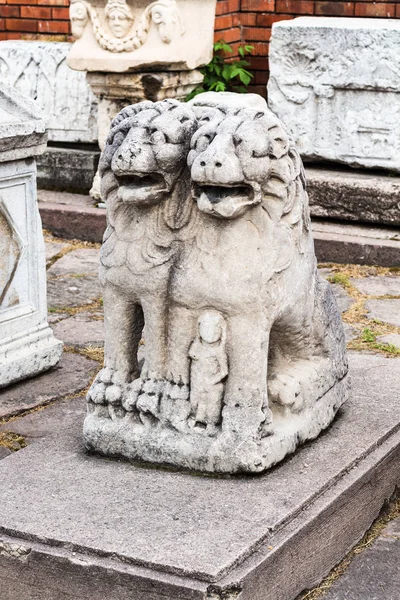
(39, 70)
(27, 344)
(121, 35)
(209, 254)
(335, 84)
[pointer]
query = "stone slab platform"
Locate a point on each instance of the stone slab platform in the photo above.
(78, 526)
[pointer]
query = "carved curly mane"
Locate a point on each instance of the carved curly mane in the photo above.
(171, 215)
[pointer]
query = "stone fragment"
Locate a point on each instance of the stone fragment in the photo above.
(354, 196)
(27, 344)
(392, 339)
(71, 292)
(387, 310)
(118, 36)
(81, 330)
(70, 376)
(67, 169)
(217, 272)
(333, 85)
(39, 70)
(82, 261)
(91, 509)
(378, 286)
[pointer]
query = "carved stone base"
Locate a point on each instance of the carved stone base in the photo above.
(112, 431)
(117, 90)
(30, 355)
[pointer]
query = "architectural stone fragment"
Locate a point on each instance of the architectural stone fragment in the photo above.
(27, 344)
(39, 70)
(209, 254)
(118, 36)
(335, 84)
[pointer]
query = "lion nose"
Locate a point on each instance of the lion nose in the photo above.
(217, 163)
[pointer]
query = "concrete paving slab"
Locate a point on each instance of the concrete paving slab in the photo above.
(385, 310)
(391, 338)
(70, 292)
(72, 374)
(81, 526)
(81, 330)
(374, 574)
(82, 261)
(378, 286)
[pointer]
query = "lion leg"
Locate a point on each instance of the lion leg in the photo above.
(308, 352)
(123, 324)
(246, 409)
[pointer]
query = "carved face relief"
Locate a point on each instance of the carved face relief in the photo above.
(119, 17)
(230, 160)
(79, 17)
(153, 152)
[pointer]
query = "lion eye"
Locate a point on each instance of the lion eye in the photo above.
(158, 137)
(261, 153)
(237, 141)
(203, 142)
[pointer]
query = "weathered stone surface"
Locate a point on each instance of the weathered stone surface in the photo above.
(83, 261)
(53, 248)
(350, 332)
(71, 216)
(101, 527)
(374, 574)
(121, 36)
(387, 310)
(27, 344)
(357, 244)
(392, 338)
(378, 286)
(344, 301)
(333, 84)
(354, 196)
(71, 375)
(216, 282)
(72, 291)
(67, 169)
(80, 330)
(4, 452)
(39, 70)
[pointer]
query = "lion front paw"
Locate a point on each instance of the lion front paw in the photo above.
(105, 394)
(285, 391)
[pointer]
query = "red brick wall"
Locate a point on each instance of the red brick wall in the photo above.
(237, 21)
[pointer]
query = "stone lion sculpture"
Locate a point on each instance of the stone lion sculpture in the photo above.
(255, 359)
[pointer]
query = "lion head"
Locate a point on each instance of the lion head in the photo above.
(146, 151)
(242, 157)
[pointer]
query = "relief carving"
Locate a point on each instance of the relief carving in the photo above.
(114, 28)
(11, 248)
(209, 256)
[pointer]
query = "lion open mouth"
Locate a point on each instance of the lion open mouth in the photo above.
(141, 187)
(226, 201)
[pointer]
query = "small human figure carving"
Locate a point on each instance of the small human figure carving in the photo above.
(119, 17)
(209, 369)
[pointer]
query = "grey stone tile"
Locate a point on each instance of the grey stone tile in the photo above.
(387, 310)
(342, 297)
(80, 330)
(72, 291)
(391, 338)
(53, 248)
(374, 574)
(4, 452)
(378, 286)
(72, 374)
(82, 261)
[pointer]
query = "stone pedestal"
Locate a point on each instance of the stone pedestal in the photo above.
(27, 344)
(117, 90)
(335, 84)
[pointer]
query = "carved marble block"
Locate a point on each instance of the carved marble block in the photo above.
(208, 255)
(120, 35)
(27, 344)
(335, 84)
(39, 70)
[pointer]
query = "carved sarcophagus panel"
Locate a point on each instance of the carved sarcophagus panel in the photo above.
(123, 35)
